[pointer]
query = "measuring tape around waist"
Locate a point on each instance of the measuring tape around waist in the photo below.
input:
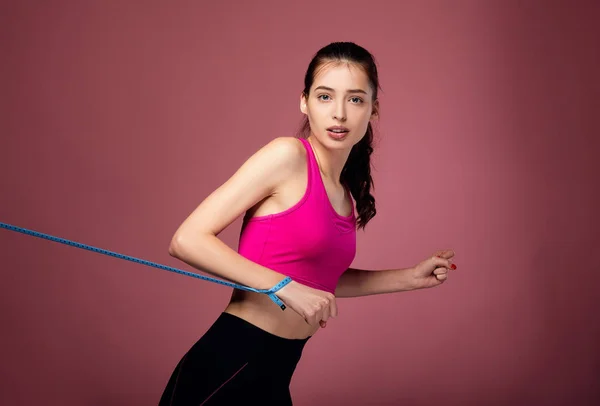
(268, 292)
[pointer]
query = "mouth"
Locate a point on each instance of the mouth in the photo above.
(337, 132)
(338, 129)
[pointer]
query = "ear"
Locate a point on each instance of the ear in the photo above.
(302, 103)
(375, 111)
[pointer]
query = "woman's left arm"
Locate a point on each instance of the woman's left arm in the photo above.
(359, 282)
(429, 273)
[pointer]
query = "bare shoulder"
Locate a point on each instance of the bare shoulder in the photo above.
(275, 161)
(287, 151)
(259, 177)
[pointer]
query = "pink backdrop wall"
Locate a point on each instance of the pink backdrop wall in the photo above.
(117, 119)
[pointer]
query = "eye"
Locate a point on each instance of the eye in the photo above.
(322, 95)
(358, 100)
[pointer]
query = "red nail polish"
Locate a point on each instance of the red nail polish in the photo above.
(453, 266)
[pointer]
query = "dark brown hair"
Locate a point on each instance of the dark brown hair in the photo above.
(356, 174)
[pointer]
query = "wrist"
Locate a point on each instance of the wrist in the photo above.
(405, 279)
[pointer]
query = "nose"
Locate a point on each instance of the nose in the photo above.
(340, 111)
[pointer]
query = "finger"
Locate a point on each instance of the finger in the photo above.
(445, 263)
(446, 254)
(306, 316)
(325, 312)
(317, 317)
(311, 320)
(442, 277)
(440, 271)
(333, 310)
(312, 317)
(323, 324)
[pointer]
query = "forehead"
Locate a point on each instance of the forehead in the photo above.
(342, 76)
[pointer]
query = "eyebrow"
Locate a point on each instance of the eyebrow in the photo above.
(349, 90)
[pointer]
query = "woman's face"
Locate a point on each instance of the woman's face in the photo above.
(340, 96)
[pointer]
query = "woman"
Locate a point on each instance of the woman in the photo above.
(300, 222)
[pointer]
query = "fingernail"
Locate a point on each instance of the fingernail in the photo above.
(453, 266)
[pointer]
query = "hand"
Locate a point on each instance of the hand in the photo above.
(315, 306)
(433, 271)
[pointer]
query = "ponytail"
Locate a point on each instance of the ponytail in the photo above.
(357, 176)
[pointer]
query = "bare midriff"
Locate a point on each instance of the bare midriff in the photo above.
(258, 309)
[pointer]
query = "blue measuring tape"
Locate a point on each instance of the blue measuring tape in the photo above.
(268, 292)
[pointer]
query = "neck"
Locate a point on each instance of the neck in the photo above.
(331, 163)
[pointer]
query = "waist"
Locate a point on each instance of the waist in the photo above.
(270, 357)
(259, 310)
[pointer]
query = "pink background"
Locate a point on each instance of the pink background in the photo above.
(117, 119)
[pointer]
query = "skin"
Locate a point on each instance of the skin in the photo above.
(273, 180)
(339, 106)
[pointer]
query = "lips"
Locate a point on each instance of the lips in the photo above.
(340, 133)
(338, 128)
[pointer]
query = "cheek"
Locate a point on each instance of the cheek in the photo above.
(363, 118)
(314, 114)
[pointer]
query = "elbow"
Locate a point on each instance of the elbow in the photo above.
(179, 244)
(175, 246)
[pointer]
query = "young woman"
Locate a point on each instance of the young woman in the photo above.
(300, 221)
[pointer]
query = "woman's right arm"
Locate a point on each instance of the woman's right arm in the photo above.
(196, 243)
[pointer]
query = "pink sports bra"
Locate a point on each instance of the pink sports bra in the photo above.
(309, 242)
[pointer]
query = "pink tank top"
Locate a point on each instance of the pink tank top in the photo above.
(309, 242)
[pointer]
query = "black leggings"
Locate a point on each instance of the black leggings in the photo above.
(235, 362)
